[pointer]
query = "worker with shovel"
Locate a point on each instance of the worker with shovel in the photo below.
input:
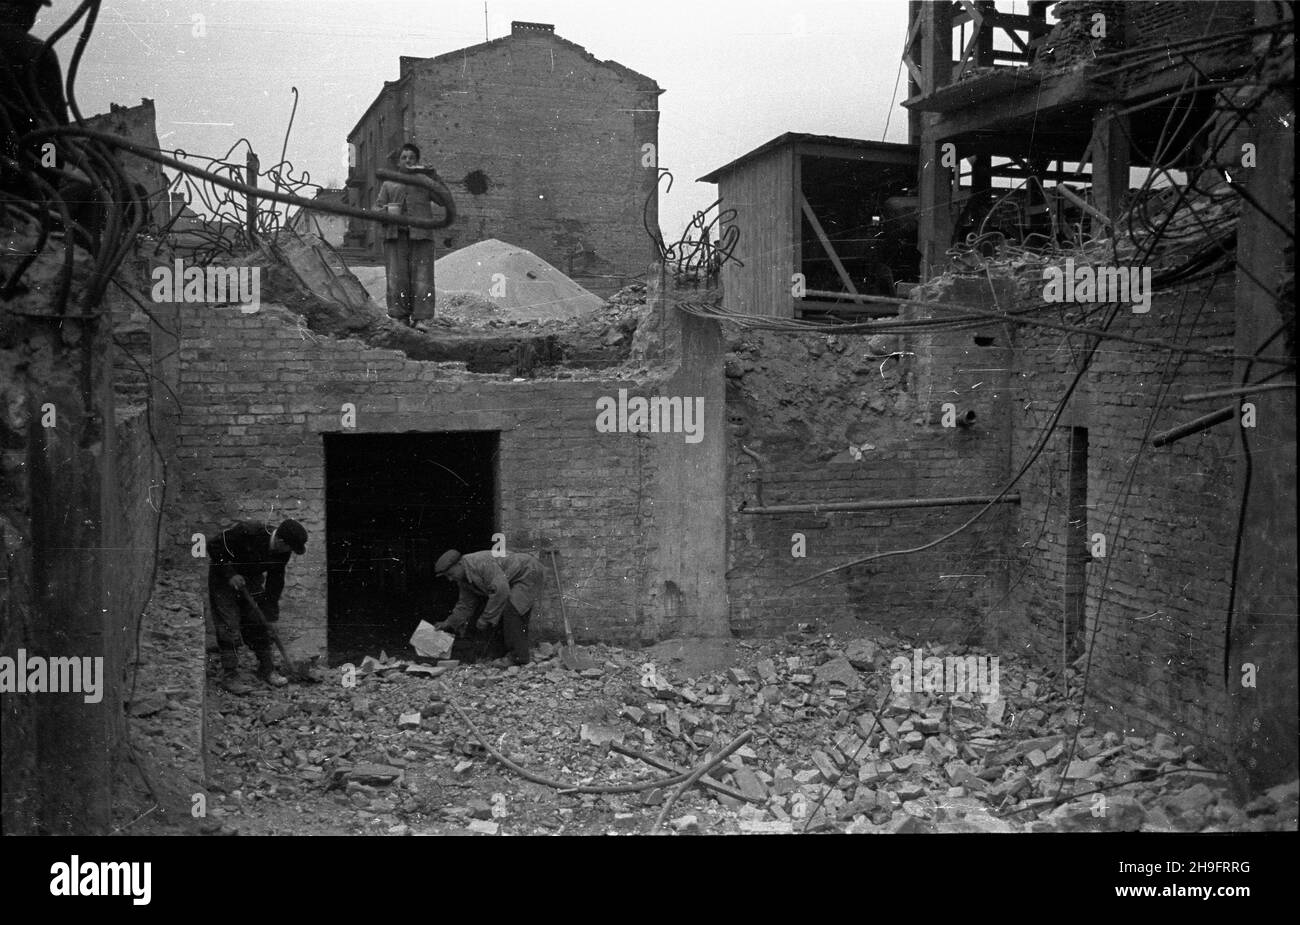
(245, 579)
(506, 586)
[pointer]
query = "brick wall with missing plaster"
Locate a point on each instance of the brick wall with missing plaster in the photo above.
(554, 134)
(258, 395)
(138, 123)
(1158, 647)
(1136, 25)
(139, 497)
(799, 402)
(46, 762)
(1159, 612)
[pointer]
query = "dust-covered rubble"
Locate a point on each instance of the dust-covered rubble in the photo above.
(379, 750)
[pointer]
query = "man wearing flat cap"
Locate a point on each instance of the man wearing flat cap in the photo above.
(507, 586)
(249, 557)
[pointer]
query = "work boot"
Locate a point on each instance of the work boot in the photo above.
(272, 677)
(231, 684)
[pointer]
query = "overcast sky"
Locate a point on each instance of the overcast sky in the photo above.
(736, 73)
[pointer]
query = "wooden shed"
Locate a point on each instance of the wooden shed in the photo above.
(822, 221)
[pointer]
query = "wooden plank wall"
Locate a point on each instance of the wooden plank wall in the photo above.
(761, 192)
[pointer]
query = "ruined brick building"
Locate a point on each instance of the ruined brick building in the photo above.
(1123, 536)
(542, 143)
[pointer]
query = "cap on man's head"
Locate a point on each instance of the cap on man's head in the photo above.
(445, 562)
(293, 533)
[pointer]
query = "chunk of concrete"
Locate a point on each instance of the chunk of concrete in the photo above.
(838, 671)
(430, 642)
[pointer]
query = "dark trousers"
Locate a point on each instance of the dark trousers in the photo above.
(408, 266)
(514, 629)
(233, 620)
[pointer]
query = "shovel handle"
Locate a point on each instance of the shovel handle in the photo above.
(559, 591)
(270, 630)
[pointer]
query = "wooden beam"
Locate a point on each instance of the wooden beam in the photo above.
(936, 46)
(1110, 163)
(1261, 734)
(934, 181)
(826, 243)
(858, 155)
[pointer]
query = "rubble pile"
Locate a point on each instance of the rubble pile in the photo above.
(389, 754)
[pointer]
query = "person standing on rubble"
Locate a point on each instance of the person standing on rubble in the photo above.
(408, 252)
(249, 558)
(507, 586)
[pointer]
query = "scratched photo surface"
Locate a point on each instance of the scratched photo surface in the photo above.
(573, 418)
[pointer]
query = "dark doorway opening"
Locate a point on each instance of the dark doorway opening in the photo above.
(393, 504)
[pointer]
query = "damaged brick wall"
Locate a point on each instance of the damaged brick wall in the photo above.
(139, 124)
(139, 499)
(1155, 606)
(1074, 39)
(541, 144)
(259, 392)
(833, 418)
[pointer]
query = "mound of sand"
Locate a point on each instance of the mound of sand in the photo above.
(492, 278)
(524, 286)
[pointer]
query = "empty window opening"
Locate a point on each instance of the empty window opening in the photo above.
(393, 504)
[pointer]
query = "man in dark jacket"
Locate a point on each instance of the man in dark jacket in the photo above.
(249, 557)
(507, 587)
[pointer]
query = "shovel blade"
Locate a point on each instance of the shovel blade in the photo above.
(571, 659)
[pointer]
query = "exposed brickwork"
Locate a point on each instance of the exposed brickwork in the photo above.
(1155, 606)
(258, 398)
(138, 124)
(799, 402)
(1073, 40)
(139, 498)
(555, 134)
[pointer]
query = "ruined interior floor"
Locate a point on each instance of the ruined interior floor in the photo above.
(326, 758)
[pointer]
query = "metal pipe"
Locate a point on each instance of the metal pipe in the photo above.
(1204, 422)
(1243, 390)
(892, 504)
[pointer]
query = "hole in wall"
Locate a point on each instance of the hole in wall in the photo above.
(477, 182)
(983, 340)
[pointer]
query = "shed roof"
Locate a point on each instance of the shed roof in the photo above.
(850, 145)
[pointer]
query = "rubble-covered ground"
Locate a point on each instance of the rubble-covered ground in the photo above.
(382, 750)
